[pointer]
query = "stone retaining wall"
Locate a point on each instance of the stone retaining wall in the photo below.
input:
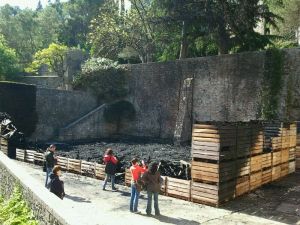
(46, 207)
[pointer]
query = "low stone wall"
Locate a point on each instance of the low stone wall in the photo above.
(46, 207)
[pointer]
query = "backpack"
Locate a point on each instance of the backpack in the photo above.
(110, 168)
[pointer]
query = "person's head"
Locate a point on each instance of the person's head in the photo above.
(57, 170)
(153, 167)
(134, 161)
(52, 148)
(109, 151)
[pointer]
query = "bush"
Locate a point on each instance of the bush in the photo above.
(104, 77)
(15, 210)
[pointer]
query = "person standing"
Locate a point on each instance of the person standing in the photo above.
(56, 185)
(152, 180)
(136, 172)
(50, 161)
(110, 168)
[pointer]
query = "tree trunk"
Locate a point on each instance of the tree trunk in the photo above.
(184, 42)
(222, 38)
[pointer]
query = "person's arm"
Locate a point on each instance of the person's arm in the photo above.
(114, 160)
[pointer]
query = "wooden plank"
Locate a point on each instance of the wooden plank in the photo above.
(256, 163)
(255, 180)
(62, 162)
(29, 156)
(292, 166)
(20, 154)
(178, 187)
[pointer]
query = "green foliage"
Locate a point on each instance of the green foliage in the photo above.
(53, 57)
(104, 77)
(273, 76)
(8, 61)
(15, 211)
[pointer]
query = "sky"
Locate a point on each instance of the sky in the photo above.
(24, 3)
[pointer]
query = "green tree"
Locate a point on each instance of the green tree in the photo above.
(8, 61)
(53, 56)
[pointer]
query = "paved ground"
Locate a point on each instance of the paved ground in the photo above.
(278, 203)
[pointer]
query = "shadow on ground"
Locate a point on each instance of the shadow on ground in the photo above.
(278, 201)
(77, 199)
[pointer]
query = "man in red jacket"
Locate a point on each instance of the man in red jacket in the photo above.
(110, 168)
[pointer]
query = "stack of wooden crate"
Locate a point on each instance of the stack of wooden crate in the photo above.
(230, 159)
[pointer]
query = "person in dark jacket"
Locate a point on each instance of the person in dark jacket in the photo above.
(110, 168)
(152, 180)
(50, 161)
(56, 185)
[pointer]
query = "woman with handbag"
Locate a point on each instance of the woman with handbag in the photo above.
(136, 184)
(152, 180)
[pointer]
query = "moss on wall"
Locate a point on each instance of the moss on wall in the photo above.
(273, 81)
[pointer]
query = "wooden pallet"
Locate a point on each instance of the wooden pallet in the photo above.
(29, 156)
(127, 177)
(214, 142)
(74, 165)
(256, 163)
(39, 158)
(243, 167)
(267, 176)
(276, 158)
(20, 154)
(292, 153)
(88, 168)
(285, 155)
(276, 172)
(255, 180)
(284, 169)
(213, 172)
(266, 160)
(214, 194)
(292, 166)
(62, 162)
(100, 171)
(242, 185)
(4, 145)
(178, 188)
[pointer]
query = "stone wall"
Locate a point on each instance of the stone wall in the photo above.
(221, 88)
(58, 108)
(46, 81)
(46, 207)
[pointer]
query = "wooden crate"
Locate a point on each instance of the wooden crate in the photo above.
(284, 155)
(178, 188)
(276, 172)
(276, 158)
(255, 180)
(212, 194)
(100, 171)
(74, 165)
(29, 156)
(267, 176)
(292, 153)
(256, 163)
(128, 177)
(213, 172)
(88, 168)
(242, 185)
(292, 166)
(39, 158)
(62, 162)
(20, 154)
(266, 160)
(243, 167)
(213, 142)
(4, 145)
(284, 169)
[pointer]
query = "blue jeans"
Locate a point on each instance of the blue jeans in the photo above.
(112, 178)
(149, 202)
(48, 171)
(134, 199)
